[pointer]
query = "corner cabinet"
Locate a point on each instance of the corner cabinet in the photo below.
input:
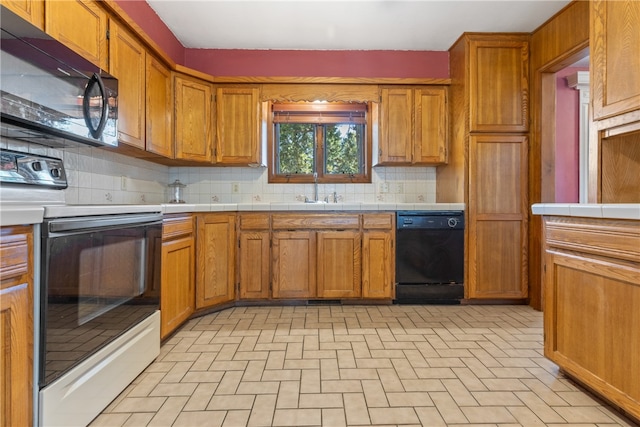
(16, 325)
(215, 264)
(193, 119)
(177, 295)
(81, 26)
(413, 126)
(237, 125)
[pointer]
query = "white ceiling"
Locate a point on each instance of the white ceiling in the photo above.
(345, 25)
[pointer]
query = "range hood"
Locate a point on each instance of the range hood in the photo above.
(50, 95)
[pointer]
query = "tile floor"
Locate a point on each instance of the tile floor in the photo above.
(397, 365)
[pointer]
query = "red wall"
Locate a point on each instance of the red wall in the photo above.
(567, 160)
(320, 63)
(287, 63)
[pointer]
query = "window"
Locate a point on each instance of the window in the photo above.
(327, 140)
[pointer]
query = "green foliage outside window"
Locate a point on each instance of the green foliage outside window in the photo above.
(342, 146)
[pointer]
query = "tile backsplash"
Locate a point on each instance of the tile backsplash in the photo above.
(246, 185)
(100, 176)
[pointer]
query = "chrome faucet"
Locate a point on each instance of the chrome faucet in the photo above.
(315, 186)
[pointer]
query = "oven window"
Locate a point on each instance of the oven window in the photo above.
(98, 284)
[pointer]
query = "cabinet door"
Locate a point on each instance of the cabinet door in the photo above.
(16, 325)
(377, 264)
(294, 264)
(215, 272)
(339, 264)
(193, 120)
(158, 108)
(254, 257)
(396, 127)
(237, 125)
(499, 84)
(127, 64)
(497, 217)
(615, 57)
(29, 10)
(81, 25)
(431, 126)
(177, 294)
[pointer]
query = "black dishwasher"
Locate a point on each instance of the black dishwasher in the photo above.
(429, 257)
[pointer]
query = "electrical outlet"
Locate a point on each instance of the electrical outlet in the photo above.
(123, 182)
(399, 188)
(235, 187)
(384, 187)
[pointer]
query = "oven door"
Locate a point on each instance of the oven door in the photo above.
(99, 279)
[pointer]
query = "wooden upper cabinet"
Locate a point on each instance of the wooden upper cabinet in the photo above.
(396, 128)
(499, 83)
(159, 100)
(81, 25)
(615, 57)
(431, 126)
(237, 125)
(193, 119)
(29, 10)
(413, 125)
(127, 61)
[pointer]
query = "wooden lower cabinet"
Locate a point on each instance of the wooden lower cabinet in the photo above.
(378, 262)
(339, 264)
(592, 295)
(215, 264)
(177, 300)
(294, 264)
(254, 259)
(16, 326)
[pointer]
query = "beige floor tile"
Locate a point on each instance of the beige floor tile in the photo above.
(200, 418)
(358, 365)
(169, 411)
(333, 417)
(393, 416)
(355, 408)
(224, 403)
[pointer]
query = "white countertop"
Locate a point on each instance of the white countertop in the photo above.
(589, 210)
(33, 213)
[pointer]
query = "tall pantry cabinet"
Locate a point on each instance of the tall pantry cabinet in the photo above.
(487, 167)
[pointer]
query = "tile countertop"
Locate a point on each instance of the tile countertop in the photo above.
(589, 210)
(16, 214)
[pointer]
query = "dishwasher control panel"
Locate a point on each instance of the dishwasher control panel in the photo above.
(430, 220)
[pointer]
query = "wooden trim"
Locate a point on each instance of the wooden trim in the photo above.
(332, 80)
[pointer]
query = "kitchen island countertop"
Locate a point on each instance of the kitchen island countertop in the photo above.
(589, 210)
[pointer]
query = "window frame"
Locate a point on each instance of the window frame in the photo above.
(274, 178)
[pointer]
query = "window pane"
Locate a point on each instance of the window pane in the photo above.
(296, 152)
(343, 145)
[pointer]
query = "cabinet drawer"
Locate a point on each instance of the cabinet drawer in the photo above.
(14, 254)
(176, 226)
(383, 221)
(254, 221)
(315, 221)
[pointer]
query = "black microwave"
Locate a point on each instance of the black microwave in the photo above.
(50, 95)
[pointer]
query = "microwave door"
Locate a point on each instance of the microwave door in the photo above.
(95, 106)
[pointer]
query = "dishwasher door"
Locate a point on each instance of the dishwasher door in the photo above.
(430, 257)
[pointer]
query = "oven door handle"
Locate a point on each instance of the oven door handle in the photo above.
(62, 225)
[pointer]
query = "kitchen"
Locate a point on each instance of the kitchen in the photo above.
(105, 177)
